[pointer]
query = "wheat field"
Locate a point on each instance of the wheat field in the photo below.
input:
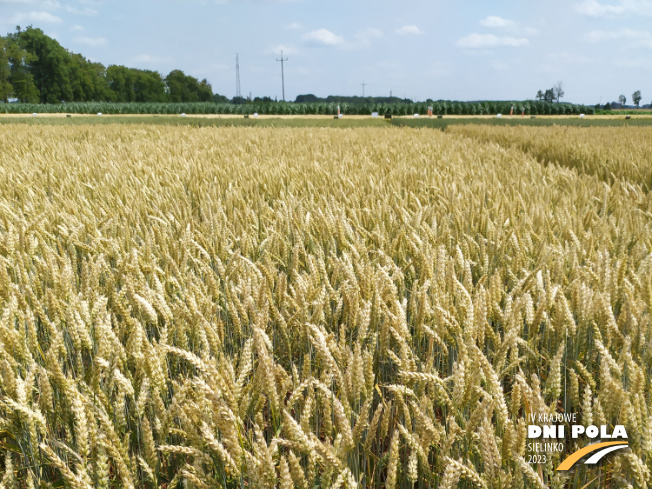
(378, 307)
(610, 153)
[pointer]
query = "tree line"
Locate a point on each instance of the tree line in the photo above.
(551, 94)
(557, 92)
(355, 100)
(34, 68)
(636, 98)
(440, 107)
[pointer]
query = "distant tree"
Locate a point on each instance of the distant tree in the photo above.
(185, 88)
(539, 95)
(88, 80)
(20, 77)
(6, 89)
(306, 99)
(636, 98)
(549, 96)
(121, 83)
(204, 91)
(177, 87)
(133, 85)
(622, 99)
(149, 86)
(220, 99)
(50, 66)
(558, 90)
(36, 68)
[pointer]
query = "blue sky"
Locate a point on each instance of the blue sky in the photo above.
(463, 50)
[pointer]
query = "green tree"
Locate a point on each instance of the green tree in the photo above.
(46, 69)
(176, 87)
(636, 98)
(205, 91)
(20, 77)
(6, 89)
(149, 86)
(558, 91)
(121, 83)
(539, 95)
(185, 88)
(88, 80)
(622, 99)
(133, 85)
(49, 67)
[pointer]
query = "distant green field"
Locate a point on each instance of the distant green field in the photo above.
(542, 121)
(326, 122)
(197, 121)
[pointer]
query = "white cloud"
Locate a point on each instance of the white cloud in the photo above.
(409, 29)
(569, 58)
(638, 7)
(149, 59)
(76, 28)
(91, 41)
(278, 48)
(36, 17)
(323, 37)
(500, 65)
(628, 34)
(485, 41)
(365, 37)
(294, 26)
(224, 2)
(48, 4)
(496, 22)
(632, 63)
(84, 11)
(594, 9)
(633, 39)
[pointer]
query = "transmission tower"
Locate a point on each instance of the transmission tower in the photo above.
(237, 77)
(363, 85)
(282, 74)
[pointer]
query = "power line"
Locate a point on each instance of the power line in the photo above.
(282, 74)
(237, 77)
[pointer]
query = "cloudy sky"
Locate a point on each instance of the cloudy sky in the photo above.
(463, 50)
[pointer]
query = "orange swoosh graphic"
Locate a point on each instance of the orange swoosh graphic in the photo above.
(571, 459)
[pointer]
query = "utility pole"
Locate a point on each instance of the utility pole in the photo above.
(363, 85)
(237, 77)
(282, 74)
